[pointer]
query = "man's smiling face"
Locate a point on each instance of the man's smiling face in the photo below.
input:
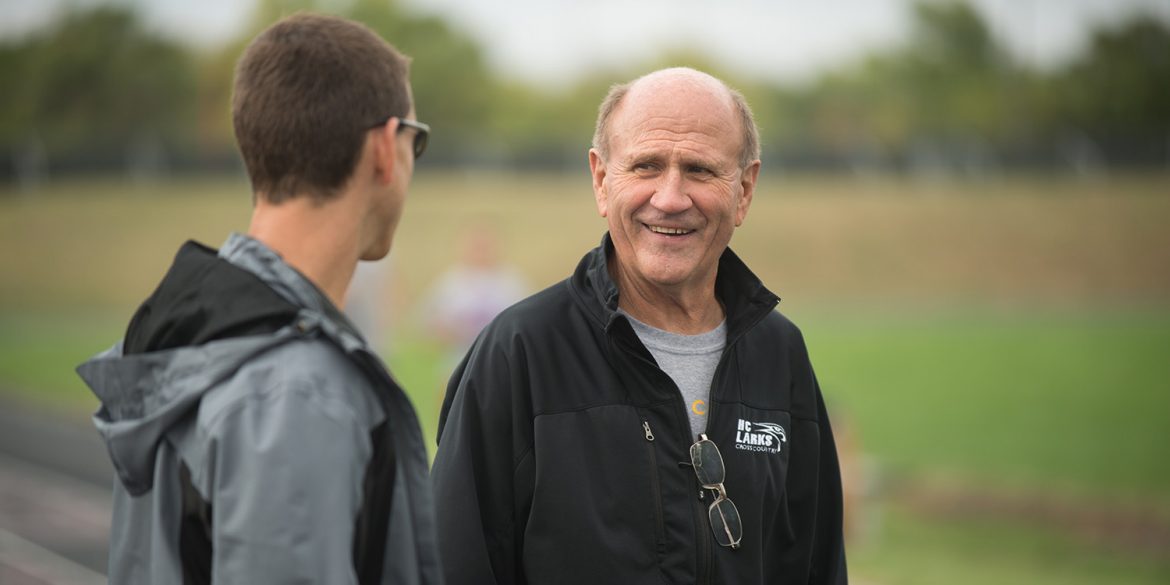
(673, 189)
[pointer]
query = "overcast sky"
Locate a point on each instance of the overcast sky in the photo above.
(554, 41)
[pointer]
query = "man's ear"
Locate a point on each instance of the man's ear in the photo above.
(597, 169)
(384, 145)
(748, 182)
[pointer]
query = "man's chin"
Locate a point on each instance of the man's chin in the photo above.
(376, 252)
(667, 279)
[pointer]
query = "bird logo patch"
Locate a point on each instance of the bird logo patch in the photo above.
(765, 437)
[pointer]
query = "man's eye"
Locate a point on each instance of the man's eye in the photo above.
(643, 166)
(696, 169)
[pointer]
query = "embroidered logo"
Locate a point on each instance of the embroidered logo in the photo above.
(763, 437)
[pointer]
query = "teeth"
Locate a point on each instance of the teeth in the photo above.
(669, 231)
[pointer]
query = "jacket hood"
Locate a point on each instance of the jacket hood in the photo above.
(745, 298)
(143, 396)
(210, 314)
(204, 297)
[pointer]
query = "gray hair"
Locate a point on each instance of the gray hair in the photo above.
(749, 153)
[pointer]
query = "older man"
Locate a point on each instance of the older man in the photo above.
(651, 419)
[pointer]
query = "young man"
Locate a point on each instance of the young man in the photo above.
(652, 419)
(256, 437)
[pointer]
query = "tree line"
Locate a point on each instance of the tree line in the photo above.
(97, 91)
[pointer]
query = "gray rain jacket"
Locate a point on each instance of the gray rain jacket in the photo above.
(255, 436)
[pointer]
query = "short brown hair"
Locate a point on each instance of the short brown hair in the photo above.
(751, 134)
(306, 91)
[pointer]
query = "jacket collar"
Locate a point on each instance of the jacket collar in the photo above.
(255, 257)
(745, 298)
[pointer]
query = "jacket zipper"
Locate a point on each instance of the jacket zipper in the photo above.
(706, 556)
(656, 491)
(704, 560)
(707, 565)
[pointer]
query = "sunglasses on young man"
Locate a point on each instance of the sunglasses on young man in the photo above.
(722, 513)
(422, 133)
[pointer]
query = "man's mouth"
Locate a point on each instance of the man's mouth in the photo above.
(668, 231)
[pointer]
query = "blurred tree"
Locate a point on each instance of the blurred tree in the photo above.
(950, 35)
(215, 72)
(16, 99)
(453, 88)
(952, 68)
(940, 99)
(541, 128)
(1118, 93)
(97, 89)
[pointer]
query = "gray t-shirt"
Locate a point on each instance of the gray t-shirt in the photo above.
(689, 360)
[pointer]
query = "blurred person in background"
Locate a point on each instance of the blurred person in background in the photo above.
(652, 418)
(469, 294)
(256, 437)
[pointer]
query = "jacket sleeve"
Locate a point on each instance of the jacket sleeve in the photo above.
(828, 553)
(478, 470)
(287, 488)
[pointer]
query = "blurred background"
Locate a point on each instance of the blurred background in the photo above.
(964, 205)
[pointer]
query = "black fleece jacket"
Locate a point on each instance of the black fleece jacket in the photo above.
(563, 450)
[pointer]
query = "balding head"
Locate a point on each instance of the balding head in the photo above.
(678, 81)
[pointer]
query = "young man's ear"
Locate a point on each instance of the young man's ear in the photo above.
(383, 145)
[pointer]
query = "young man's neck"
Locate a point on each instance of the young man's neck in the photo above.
(320, 240)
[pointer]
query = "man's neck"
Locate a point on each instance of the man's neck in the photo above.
(684, 309)
(319, 240)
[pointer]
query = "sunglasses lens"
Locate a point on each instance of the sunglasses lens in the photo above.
(725, 522)
(420, 143)
(708, 463)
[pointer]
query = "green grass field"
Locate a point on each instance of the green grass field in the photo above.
(1070, 399)
(1008, 337)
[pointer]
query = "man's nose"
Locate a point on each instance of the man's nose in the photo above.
(671, 196)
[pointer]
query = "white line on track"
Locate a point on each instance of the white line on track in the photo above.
(42, 564)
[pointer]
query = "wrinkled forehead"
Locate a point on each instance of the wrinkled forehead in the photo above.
(677, 105)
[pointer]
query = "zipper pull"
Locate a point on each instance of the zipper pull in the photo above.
(646, 426)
